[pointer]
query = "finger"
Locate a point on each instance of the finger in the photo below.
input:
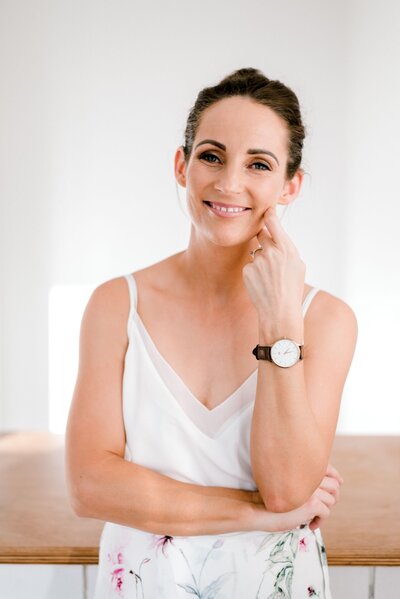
(274, 227)
(264, 236)
(326, 497)
(315, 523)
(331, 485)
(331, 471)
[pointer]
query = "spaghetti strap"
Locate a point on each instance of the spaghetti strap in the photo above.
(132, 298)
(308, 299)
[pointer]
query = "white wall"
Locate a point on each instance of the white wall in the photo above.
(94, 101)
(372, 212)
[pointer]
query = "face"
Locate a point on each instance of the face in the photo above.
(239, 160)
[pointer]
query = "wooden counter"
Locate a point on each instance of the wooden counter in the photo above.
(37, 524)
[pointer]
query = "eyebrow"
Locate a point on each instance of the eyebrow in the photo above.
(250, 151)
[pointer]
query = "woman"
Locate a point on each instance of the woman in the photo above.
(206, 452)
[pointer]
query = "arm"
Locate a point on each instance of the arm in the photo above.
(296, 409)
(102, 484)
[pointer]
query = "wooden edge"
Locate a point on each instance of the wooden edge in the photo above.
(57, 555)
(367, 560)
(90, 557)
(48, 560)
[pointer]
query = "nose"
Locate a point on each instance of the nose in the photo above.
(229, 181)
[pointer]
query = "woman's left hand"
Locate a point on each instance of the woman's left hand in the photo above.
(275, 277)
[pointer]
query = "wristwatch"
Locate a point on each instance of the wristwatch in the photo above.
(284, 352)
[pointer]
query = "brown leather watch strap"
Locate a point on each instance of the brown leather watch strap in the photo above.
(262, 352)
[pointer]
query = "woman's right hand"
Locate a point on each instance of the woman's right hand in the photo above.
(319, 506)
(313, 512)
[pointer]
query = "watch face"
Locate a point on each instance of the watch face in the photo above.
(285, 352)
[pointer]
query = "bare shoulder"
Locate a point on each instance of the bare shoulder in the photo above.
(109, 303)
(330, 316)
(110, 300)
(329, 305)
(111, 295)
(106, 314)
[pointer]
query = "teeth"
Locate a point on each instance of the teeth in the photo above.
(222, 209)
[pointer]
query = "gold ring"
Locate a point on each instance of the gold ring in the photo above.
(253, 252)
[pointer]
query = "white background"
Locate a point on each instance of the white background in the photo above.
(93, 103)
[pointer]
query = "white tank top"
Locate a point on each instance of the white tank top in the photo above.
(169, 430)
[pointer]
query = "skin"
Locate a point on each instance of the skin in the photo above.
(221, 293)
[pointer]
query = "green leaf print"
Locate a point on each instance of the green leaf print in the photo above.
(277, 595)
(282, 553)
(289, 580)
(210, 591)
(189, 589)
(322, 552)
(215, 586)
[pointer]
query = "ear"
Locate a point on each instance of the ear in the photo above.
(180, 167)
(292, 188)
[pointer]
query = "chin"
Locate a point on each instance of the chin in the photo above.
(227, 240)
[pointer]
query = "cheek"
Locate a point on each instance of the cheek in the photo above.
(197, 187)
(198, 178)
(273, 186)
(266, 192)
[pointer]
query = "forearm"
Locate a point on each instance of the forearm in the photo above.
(287, 452)
(126, 493)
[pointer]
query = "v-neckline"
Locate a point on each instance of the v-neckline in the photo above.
(211, 423)
(241, 397)
(216, 408)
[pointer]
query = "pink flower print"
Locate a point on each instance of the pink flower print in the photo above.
(117, 578)
(117, 570)
(311, 592)
(163, 542)
(116, 557)
(303, 544)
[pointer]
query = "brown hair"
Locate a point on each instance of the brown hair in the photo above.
(253, 84)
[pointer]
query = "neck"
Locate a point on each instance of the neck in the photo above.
(215, 271)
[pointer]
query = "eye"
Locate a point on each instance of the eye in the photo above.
(263, 164)
(208, 154)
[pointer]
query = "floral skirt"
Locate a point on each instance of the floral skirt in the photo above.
(136, 564)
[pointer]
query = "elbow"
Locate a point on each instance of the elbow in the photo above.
(281, 505)
(284, 502)
(79, 499)
(80, 508)
(289, 495)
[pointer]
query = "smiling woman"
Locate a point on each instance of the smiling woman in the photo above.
(240, 146)
(207, 457)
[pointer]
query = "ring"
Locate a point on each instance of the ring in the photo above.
(253, 252)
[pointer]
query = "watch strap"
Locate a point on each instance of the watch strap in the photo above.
(262, 352)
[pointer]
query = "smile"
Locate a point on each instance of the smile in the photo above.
(226, 211)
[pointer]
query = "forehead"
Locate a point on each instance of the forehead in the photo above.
(242, 122)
